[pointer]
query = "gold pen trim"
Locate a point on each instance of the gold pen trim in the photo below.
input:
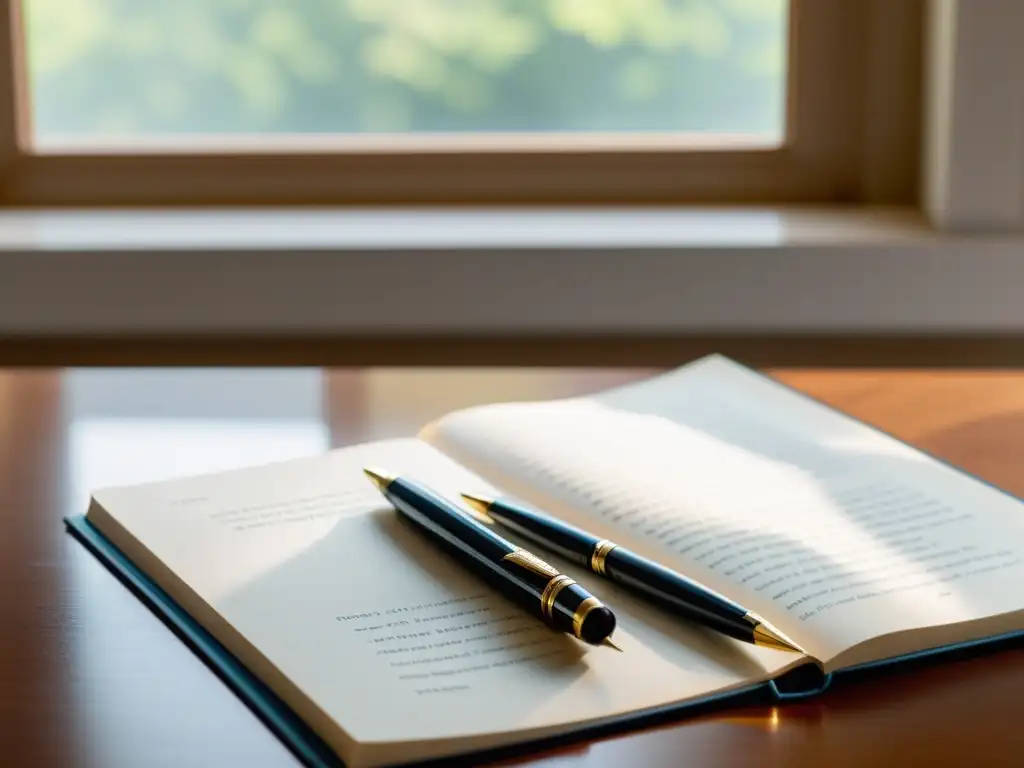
(597, 558)
(379, 477)
(611, 644)
(550, 593)
(479, 506)
(530, 562)
(581, 615)
(767, 636)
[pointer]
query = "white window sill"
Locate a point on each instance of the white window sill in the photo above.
(353, 271)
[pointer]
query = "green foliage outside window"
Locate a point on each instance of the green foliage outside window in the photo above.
(102, 67)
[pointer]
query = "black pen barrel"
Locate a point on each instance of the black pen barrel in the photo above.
(523, 578)
(663, 587)
(675, 592)
(446, 521)
(572, 543)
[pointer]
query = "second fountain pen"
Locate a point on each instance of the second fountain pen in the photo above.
(518, 575)
(664, 587)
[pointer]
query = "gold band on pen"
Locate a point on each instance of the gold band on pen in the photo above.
(581, 615)
(601, 550)
(547, 597)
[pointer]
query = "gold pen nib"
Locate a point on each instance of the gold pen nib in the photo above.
(379, 477)
(767, 637)
(610, 644)
(480, 506)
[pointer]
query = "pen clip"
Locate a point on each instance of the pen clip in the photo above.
(531, 563)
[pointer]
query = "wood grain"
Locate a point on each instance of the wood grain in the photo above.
(88, 677)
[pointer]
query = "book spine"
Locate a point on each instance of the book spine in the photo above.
(803, 682)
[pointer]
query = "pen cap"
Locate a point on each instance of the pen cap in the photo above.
(598, 625)
(578, 612)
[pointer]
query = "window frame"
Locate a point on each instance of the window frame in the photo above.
(848, 284)
(850, 63)
(973, 113)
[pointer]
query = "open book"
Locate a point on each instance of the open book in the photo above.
(853, 544)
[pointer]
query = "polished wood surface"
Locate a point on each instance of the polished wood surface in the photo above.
(88, 677)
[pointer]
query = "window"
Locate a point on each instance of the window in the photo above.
(449, 101)
(123, 70)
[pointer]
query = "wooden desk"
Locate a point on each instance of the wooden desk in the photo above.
(88, 677)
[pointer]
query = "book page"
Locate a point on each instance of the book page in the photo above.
(831, 530)
(374, 636)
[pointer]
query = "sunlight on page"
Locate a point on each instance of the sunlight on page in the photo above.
(420, 627)
(749, 524)
(103, 452)
(834, 534)
(263, 518)
(310, 550)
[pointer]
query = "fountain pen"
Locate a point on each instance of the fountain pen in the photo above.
(519, 575)
(663, 587)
